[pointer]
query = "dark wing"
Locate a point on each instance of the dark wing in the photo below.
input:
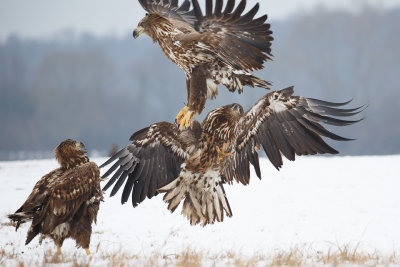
(170, 9)
(237, 39)
(152, 160)
(282, 123)
(64, 197)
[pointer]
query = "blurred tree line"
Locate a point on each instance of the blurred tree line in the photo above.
(100, 90)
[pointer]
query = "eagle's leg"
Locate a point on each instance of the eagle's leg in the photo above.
(58, 250)
(181, 114)
(87, 251)
(221, 153)
(185, 121)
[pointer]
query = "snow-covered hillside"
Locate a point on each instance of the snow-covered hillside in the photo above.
(315, 202)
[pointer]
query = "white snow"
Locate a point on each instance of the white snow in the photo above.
(322, 202)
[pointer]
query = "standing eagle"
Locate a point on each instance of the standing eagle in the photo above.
(192, 165)
(220, 47)
(64, 203)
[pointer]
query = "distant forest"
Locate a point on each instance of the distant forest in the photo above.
(101, 90)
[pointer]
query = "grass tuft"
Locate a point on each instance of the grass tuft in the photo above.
(343, 255)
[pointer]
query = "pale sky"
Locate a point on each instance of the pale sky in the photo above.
(44, 18)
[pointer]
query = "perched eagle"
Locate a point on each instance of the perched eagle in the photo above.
(221, 47)
(64, 203)
(192, 165)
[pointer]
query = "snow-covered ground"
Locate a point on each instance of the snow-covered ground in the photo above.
(315, 202)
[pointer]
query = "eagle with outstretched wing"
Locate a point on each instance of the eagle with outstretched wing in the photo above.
(221, 46)
(64, 203)
(193, 165)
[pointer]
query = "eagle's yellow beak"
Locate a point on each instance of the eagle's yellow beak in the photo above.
(138, 31)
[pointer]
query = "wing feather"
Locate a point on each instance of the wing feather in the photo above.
(150, 162)
(74, 188)
(238, 40)
(287, 125)
(218, 7)
(229, 7)
(129, 184)
(169, 9)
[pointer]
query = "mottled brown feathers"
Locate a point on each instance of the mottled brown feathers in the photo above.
(70, 153)
(187, 162)
(64, 203)
(218, 47)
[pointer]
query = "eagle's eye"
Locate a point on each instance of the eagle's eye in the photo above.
(147, 14)
(236, 107)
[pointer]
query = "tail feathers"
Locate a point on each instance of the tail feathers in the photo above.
(204, 200)
(20, 218)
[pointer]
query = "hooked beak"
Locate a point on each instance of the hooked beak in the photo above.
(138, 31)
(81, 146)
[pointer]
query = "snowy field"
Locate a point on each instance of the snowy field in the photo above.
(313, 206)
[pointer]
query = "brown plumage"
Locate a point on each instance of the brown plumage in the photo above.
(64, 203)
(192, 165)
(223, 46)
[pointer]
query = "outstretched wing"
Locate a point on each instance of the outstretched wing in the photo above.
(170, 9)
(237, 39)
(152, 160)
(282, 123)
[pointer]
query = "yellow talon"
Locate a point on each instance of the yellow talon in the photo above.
(58, 250)
(186, 120)
(181, 113)
(221, 153)
(87, 251)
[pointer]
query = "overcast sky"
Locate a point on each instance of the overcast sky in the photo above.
(44, 18)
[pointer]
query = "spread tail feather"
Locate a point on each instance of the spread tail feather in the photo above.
(204, 197)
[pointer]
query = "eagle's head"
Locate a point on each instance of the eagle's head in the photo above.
(148, 26)
(71, 153)
(222, 121)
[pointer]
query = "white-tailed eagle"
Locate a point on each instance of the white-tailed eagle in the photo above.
(222, 46)
(64, 203)
(192, 165)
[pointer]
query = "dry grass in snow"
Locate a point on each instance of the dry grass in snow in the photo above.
(316, 211)
(344, 255)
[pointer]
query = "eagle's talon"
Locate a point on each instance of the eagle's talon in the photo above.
(181, 114)
(186, 120)
(221, 153)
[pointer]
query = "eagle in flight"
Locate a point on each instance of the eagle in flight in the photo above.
(64, 203)
(221, 46)
(193, 165)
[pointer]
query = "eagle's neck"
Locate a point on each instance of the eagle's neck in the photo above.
(74, 161)
(165, 36)
(162, 32)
